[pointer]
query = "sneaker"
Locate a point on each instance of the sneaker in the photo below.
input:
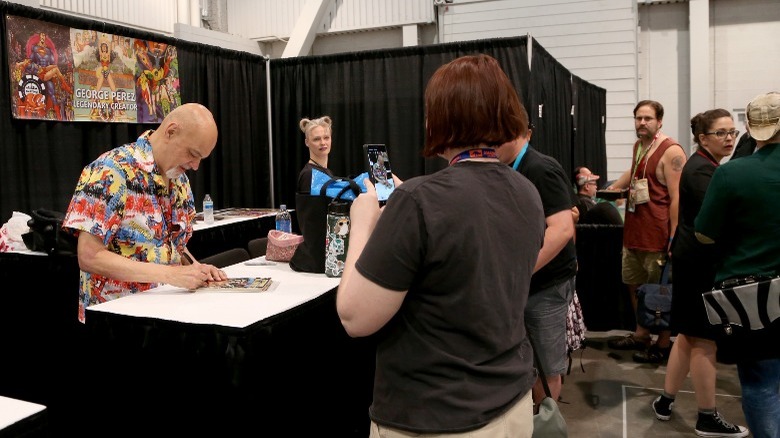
(654, 354)
(713, 425)
(629, 342)
(662, 407)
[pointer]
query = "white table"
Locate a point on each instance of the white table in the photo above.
(231, 363)
(229, 309)
(231, 216)
(14, 411)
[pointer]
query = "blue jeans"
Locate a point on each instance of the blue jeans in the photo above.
(760, 382)
(545, 320)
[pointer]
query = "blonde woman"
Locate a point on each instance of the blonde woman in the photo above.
(317, 134)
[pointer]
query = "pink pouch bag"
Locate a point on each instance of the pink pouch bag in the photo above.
(281, 245)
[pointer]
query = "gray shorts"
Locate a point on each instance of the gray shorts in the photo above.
(545, 320)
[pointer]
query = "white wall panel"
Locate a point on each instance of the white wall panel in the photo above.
(275, 19)
(745, 64)
(664, 63)
(594, 39)
(150, 15)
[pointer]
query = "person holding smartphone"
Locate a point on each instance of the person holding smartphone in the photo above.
(444, 269)
(317, 134)
(379, 171)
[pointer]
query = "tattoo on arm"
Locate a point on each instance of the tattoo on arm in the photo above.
(677, 163)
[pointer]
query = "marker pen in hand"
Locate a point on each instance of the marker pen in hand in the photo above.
(188, 258)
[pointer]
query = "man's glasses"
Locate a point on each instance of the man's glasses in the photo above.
(722, 134)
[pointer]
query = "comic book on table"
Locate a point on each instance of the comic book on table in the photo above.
(239, 284)
(231, 212)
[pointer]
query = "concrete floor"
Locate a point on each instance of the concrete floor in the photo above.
(612, 397)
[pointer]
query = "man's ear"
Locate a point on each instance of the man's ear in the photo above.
(171, 129)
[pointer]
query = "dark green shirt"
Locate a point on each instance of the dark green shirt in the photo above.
(741, 212)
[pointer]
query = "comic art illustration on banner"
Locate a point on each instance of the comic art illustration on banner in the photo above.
(41, 69)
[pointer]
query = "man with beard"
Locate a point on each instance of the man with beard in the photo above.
(132, 211)
(651, 218)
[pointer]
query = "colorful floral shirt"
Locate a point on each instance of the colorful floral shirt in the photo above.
(123, 199)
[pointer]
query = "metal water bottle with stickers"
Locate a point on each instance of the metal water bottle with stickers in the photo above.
(336, 238)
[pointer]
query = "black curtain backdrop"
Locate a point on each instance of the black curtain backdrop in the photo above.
(372, 96)
(40, 161)
(549, 107)
(590, 126)
(233, 86)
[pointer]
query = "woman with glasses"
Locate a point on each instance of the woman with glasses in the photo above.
(694, 273)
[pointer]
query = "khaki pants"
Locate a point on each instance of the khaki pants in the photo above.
(517, 422)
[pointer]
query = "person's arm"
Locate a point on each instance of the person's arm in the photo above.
(95, 258)
(673, 163)
(622, 182)
(362, 305)
(560, 229)
(713, 215)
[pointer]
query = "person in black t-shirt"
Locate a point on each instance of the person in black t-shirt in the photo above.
(552, 285)
(444, 270)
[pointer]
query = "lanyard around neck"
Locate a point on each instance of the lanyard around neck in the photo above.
(520, 156)
(643, 152)
(474, 153)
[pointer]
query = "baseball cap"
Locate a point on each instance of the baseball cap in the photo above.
(583, 179)
(763, 114)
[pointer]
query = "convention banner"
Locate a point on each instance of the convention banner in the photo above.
(65, 74)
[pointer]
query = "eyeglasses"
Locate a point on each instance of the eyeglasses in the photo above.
(722, 134)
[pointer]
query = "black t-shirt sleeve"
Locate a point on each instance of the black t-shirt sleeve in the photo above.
(394, 251)
(551, 182)
(304, 179)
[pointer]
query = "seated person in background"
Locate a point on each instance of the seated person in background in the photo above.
(317, 138)
(133, 210)
(592, 212)
(585, 183)
(604, 213)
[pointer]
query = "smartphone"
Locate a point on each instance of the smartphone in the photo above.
(379, 170)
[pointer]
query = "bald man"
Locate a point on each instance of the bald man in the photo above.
(132, 211)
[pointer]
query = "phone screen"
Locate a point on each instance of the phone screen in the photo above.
(379, 170)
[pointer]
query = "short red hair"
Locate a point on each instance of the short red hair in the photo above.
(471, 102)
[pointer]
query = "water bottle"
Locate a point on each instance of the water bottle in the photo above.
(208, 210)
(336, 238)
(283, 220)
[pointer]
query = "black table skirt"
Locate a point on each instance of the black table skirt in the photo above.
(34, 426)
(40, 335)
(603, 296)
(296, 374)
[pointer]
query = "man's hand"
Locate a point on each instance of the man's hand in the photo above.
(95, 258)
(194, 276)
